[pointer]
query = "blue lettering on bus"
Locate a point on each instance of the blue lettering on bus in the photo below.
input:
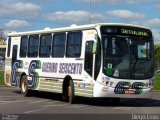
(34, 64)
(73, 68)
(49, 67)
(15, 75)
(64, 68)
(70, 68)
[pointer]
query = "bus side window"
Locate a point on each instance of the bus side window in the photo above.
(33, 46)
(88, 57)
(74, 41)
(45, 45)
(23, 47)
(58, 45)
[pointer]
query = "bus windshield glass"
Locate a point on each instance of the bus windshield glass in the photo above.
(128, 57)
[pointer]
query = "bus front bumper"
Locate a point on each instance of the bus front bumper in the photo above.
(105, 91)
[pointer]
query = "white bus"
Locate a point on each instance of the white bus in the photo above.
(99, 61)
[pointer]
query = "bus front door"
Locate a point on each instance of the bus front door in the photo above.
(14, 81)
(89, 58)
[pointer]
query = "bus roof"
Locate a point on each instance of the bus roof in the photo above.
(73, 27)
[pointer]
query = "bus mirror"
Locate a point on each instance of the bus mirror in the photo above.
(94, 50)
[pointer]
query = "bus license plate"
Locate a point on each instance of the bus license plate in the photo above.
(129, 91)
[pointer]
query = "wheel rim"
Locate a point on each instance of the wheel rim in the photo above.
(23, 86)
(69, 91)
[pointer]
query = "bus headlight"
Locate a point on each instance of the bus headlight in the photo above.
(146, 85)
(149, 85)
(106, 83)
(111, 83)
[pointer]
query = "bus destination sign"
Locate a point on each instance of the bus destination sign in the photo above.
(134, 32)
(125, 31)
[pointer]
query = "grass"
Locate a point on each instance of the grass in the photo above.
(1, 78)
(157, 82)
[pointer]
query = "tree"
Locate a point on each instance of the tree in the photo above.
(2, 47)
(157, 56)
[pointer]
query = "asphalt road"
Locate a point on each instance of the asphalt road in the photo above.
(12, 102)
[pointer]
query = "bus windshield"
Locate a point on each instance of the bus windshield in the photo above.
(128, 57)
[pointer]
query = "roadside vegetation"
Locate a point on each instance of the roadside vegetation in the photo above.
(157, 67)
(157, 82)
(1, 78)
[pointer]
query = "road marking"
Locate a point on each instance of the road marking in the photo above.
(11, 96)
(39, 101)
(14, 101)
(124, 108)
(76, 106)
(31, 111)
(5, 102)
(55, 105)
(52, 102)
(17, 101)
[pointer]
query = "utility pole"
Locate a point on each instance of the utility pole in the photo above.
(89, 11)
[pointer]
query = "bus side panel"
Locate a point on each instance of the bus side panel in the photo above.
(51, 85)
(7, 73)
(9, 62)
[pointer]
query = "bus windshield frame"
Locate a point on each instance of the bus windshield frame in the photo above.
(128, 56)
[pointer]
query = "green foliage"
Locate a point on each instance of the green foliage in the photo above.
(157, 81)
(157, 62)
(157, 52)
(1, 78)
(157, 56)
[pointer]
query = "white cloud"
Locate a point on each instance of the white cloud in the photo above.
(47, 28)
(103, 1)
(153, 22)
(20, 9)
(126, 14)
(74, 16)
(137, 1)
(119, 1)
(17, 24)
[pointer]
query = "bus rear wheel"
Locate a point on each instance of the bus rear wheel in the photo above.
(24, 86)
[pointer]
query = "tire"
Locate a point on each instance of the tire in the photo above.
(115, 100)
(71, 96)
(24, 86)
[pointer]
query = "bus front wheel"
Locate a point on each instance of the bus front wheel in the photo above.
(24, 86)
(115, 100)
(71, 96)
(68, 91)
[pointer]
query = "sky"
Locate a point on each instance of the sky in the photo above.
(28, 15)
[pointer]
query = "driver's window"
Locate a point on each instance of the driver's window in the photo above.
(110, 47)
(143, 51)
